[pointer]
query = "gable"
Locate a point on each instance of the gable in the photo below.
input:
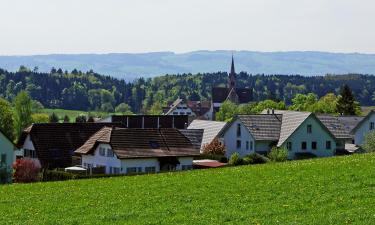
(363, 122)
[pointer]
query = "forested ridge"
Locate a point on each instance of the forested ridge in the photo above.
(90, 91)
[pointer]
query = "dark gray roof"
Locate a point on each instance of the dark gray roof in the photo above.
(350, 122)
(263, 127)
(335, 126)
(211, 129)
(194, 135)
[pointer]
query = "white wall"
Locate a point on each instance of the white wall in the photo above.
(363, 130)
(319, 134)
(147, 162)
(230, 140)
(184, 161)
(182, 109)
(97, 159)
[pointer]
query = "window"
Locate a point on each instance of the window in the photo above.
(139, 169)
(114, 170)
(186, 167)
(188, 113)
(372, 125)
(131, 170)
(309, 129)
(303, 145)
(251, 145)
(247, 145)
(150, 169)
(238, 130)
(175, 113)
(184, 107)
(182, 113)
(102, 151)
(289, 146)
(3, 159)
(313, 145)
(238, 144)
(328, 145)
(110, 153)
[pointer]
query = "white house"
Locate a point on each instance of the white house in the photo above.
(179, 107)
(124, 151)
(365, 126)
(302, 133)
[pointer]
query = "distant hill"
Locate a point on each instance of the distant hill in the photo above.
(130, 66)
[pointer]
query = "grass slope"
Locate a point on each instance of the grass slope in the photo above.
(322, 191)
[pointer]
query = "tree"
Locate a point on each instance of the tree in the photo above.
(124, 109)
(346, 102)
(66, 119)
(26, 170)
(36, 106)
(369, 143)
(53, 118)
(81, 119)
(227, 110)
(214, 148)
(6, 119)
(156, 109)
(303, 102)
(22, 107)
(40, 118)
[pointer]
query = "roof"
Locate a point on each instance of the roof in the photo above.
(263, 127)
(151, 121)
(362, 121)
(194, 135)
(211, 129)
(350, 122)
(199, 107)
(55, 142)
(174, 105)
(220, 94)
(141, 143)
(335, 126)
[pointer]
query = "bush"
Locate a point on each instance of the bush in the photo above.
(278, 154)
(214, 148)
(26, 170)
(369, 143)
(235, 159)
(255, 158)
(53, 175)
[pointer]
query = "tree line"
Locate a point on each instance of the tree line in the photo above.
(89, 91)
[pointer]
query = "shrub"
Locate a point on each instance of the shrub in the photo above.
(235, 159)
(255, 158)
(53, 175)
(26, 170)
(278, 154)
(214, 148)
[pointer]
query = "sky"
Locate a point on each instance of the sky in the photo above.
(134, 26)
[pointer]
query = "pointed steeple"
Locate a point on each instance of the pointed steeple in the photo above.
(232, 76)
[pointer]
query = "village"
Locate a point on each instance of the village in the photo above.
(185, 137)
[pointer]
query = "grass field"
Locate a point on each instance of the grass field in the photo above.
(72, 114)
(337, 190)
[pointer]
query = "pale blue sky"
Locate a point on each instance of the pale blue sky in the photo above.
(102, 26)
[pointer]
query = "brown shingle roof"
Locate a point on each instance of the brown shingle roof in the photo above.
(335, 126)
(142, 143)
(55, 142)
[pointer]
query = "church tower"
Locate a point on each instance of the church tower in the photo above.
(232, 77)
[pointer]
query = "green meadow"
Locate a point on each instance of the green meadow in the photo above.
(337, 190)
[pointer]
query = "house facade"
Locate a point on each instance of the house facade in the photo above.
(301, 133)
(129, 151)
(365, 126)
(195, 109)
(6, 158)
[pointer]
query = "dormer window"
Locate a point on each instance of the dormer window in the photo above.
(110, 153)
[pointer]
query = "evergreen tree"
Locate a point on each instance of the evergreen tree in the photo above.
(53, 118)
(346, 102)
(66, 119)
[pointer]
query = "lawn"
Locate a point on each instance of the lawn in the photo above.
(72, 114)
(336, 190)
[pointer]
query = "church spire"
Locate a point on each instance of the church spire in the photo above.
(232, 76)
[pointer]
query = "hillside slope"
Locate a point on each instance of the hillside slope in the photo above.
(129, 66)
(322, 191)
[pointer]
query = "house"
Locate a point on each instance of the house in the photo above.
(301, 133)
(6, 158)
(231, 93)
(54, 143)
(211, 130)
(340, 130)
(196, 109)
(362, 128)
(149, 121)
(136, 150)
